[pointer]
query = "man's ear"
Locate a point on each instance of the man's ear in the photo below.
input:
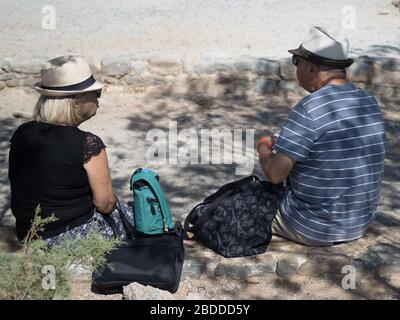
(313, 68)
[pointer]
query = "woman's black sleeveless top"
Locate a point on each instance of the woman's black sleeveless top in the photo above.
(46, 169)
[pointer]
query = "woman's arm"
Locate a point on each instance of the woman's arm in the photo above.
(99, 177)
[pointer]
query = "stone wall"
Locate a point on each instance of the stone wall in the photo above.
(222, 78)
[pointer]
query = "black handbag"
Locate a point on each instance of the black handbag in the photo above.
(156, 261)
(235, 221)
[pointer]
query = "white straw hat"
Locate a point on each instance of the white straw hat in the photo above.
(65, 76)
(324, 48)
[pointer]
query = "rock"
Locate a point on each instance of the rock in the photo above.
(165, 67)
(266, 86)
(7, 76)
(379, 254)
(114, 89)
(95, 66)
(289, 87)
(390, 273)
(12, 83)
(136, 291)
(381, 91)
(386, 72)
(267, 68)
(132, 79)
(179, 88)
(22, 115)
(139, 66)
(115, 67)
(30, 82)
(287, 69)
(195, 296)
(231, 271)
(110, 80)
(79, 273)
(26, 67)
(361, 70)
(4, 66)
(209, 66)
(325, 265)
(288, 265)
(193, 268)
(246, 267)
(2, 85)
(246, 63)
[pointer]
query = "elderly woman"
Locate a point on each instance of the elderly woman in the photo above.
(56, 165)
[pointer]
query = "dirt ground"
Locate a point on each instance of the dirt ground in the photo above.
(124, 119)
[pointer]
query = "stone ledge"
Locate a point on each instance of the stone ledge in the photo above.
(221, 77)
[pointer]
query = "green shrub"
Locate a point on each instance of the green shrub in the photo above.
(23, 274)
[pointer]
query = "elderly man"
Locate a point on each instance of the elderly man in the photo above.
(331, 149)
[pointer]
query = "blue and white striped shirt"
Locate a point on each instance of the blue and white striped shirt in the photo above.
(337, 137)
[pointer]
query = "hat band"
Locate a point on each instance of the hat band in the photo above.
(73, 87)
(323, 61)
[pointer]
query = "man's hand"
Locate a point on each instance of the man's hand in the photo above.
(276, 166)
(268, 140)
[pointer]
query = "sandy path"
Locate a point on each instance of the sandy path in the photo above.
(189, 29)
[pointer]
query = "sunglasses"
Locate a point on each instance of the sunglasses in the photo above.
(295, 60)
(83, 96)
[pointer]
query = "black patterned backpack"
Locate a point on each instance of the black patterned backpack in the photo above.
(235, 221)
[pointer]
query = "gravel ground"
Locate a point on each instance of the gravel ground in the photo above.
(189, 29)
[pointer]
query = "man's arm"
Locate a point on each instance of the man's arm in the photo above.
(276, 166)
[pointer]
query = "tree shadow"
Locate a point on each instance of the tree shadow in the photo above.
(235, 107)
(8, 126)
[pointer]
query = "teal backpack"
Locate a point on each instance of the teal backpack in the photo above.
(151, 210)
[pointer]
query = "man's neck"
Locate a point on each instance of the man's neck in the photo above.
(333, 81)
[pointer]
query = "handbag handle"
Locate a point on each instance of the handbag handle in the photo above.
(129, 228)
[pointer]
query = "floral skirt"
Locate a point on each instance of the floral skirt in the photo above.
(97, 222)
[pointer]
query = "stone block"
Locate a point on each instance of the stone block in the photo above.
(361, 70)
(26, 67)
(7, 76)
(165, 67)
(136, 291)
(266, 86)
(287, 69)
(386, 72)
(116, 67)
(267, 68)
(12, 83)
(288, 265)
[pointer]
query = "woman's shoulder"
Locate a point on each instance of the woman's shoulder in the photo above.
(22, 128)
(92, 146)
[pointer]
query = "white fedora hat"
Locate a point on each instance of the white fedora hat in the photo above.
(324, 48)
(66, 76)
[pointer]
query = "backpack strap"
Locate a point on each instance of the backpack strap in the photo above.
(231, 186)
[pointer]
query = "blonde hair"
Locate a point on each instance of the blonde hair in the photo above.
(58, 110)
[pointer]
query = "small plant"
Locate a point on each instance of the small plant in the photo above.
(40, 272)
